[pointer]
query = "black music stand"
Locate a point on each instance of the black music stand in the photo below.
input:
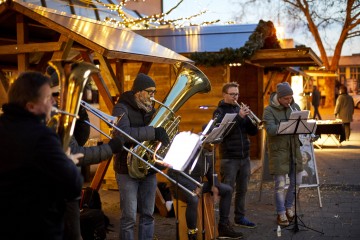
(294, 127)
(216, 136)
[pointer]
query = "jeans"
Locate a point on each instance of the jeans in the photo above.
(282, 200)
(136, 194)
(236, 173)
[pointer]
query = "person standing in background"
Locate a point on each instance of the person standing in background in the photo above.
(316, 98)
(344, 109)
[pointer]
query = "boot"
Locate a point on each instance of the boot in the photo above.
(192, 234)
(226, 231)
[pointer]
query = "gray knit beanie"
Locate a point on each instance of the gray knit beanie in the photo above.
(283, 89)
(142, 82)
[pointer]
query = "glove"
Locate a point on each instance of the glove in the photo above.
(116, 144)
(161, 135)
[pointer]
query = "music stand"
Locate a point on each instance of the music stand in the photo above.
(300, 125)
(215, 137)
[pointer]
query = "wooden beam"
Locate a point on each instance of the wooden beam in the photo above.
(22, 37)
(107, 71)
(31, 47)
(120, 75)
(64, 52)
(145, 67)
(103, 90)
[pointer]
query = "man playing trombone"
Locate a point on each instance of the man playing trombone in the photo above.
(204, 168)
(235, 152)
(136, 111)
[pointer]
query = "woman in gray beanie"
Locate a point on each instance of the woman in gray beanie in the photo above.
(283, 151)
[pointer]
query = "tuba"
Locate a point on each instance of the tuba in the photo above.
(189, 81)
(72, 80)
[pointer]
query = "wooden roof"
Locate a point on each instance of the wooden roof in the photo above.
(41, 29)
(286, 57)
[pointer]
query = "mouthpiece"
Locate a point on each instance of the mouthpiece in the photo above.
(56, 110)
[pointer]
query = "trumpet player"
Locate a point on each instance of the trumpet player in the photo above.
(283, 151)
(136, 109)
(235, 154)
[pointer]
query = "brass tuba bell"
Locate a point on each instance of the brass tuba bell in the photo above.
(189, 81)
(72, 80)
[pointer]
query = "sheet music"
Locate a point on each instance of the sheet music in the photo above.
(303, 114)
(305, 127)
(217, 132)
(182, 150)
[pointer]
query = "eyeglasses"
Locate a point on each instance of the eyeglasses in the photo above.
(233, 94)
(150, 92)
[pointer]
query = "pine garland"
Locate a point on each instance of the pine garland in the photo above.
(264, 37)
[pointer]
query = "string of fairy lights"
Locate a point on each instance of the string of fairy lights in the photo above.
(148, 22)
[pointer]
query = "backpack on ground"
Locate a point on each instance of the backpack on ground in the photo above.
(94, 223)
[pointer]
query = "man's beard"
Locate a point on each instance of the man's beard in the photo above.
(144, 103)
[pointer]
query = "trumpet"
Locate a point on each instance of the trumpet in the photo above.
(111, 120)
(253, 118)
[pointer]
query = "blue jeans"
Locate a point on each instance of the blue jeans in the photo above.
(136, 195)
(282, 200)
(236, 173)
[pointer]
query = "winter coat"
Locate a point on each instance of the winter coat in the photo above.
(93, 154)
(280, 147)
(133, 121)
(36, 177)
(344, 108)
(236, 144)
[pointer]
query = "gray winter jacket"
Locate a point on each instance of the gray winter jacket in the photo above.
(280, 147)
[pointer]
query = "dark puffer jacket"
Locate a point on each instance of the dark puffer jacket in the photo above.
(134, 121)
(36, 177)
(236, 144)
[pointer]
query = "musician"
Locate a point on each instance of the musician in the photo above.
(205, 168)
(36, 176)
(136, 111)
(283, 151)
(235, 150)
(91, 155)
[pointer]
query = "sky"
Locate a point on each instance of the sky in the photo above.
(228, 10)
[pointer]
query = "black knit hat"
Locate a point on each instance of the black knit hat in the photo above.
(283, 89)
(142, 82)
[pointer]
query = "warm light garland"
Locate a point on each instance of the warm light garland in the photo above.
(148, 22)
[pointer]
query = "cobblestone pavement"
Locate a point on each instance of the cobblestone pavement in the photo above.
(339, 189)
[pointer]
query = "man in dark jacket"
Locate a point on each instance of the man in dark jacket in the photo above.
(36, 176)
(136, 110)
(316, 97)
(235, 151)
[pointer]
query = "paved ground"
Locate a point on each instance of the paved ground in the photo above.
(338, 218)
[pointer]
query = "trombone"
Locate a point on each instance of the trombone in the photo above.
(111, 120)
(253, 118)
